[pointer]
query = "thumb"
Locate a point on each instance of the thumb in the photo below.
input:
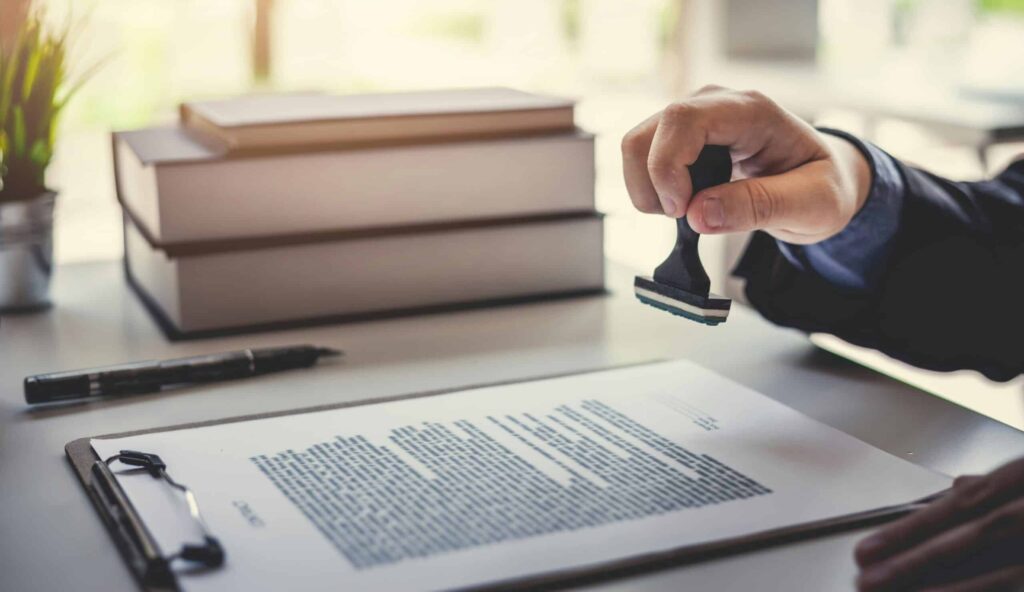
(800, 205)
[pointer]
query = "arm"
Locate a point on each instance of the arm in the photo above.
(852, 242)
(942, 290)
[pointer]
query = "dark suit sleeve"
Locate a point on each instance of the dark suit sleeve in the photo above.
(950, 294)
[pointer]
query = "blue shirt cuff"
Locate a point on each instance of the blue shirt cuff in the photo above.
(854, 258)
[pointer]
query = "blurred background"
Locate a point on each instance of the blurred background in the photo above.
(622, 60)
(937, 82)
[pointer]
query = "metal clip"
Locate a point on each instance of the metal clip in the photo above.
(209, 553)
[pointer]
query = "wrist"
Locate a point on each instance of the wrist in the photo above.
(855, 257)
(854, 174)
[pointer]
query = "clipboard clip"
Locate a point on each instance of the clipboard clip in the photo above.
(135, 540)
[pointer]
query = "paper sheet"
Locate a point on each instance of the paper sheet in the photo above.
(504, 482)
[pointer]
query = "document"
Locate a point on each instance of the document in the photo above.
(507, 482)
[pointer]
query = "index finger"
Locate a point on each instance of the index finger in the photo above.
(742, 121)
(635, 147)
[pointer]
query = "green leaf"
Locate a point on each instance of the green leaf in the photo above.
(34, 89)
(7, 85)
(29, 78)
(31, 66)
(40, 153)
(18, 132)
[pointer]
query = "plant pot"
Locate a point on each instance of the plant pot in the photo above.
(26, 253)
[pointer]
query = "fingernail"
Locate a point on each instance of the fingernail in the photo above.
(874, 577)
(714, 214)
(667, 205)
(870, 545)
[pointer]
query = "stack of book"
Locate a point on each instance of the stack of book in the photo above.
(273, 210)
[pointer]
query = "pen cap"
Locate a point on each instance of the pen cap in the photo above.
(47, 388)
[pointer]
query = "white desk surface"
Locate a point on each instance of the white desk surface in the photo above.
(51, 539)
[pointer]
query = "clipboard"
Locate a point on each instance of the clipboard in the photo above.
(151, 568)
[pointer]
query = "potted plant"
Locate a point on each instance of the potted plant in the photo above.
(33, 92)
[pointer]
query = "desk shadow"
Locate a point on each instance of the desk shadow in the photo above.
(816, 358)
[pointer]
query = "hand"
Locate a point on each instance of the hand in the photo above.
(790, 180)
(971, 540)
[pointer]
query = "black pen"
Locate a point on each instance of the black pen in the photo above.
(149, 377)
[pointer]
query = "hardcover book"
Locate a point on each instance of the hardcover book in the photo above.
(305, 119)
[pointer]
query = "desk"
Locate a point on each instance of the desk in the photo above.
(53, 540)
